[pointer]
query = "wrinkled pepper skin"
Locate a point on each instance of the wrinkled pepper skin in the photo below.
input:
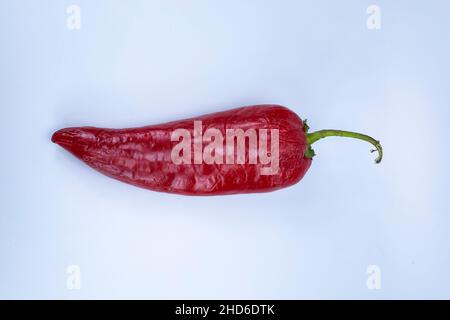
(142, 156)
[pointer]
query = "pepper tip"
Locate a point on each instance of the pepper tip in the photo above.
(54, 136)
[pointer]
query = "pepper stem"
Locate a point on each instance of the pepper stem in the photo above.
(315, 136)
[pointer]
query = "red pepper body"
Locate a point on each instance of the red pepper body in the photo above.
(142, 156)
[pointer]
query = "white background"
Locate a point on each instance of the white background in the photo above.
(135, 62)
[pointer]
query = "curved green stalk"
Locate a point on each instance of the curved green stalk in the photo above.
(315, 136)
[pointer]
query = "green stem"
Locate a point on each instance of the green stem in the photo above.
(315, 136)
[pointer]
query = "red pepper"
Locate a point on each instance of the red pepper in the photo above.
(245, 150)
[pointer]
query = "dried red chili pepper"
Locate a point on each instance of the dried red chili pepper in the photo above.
(160, 157)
